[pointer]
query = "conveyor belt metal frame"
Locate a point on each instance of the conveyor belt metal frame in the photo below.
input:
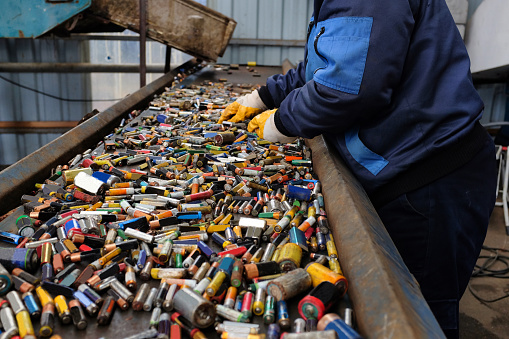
(386, 298)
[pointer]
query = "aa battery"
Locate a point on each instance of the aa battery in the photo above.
(32, 305)
(231, 314)
(261, 269)
(259, 301)
(283, 319)
(231, 294)
(78, 316)
(168, 301)
(122, 290)
(8, 320)
(269, 315)
(273, 331)
(47, 320)
(194, 308)
(149, 302)
(329, 334)
(168, 273)
(289, 284)
(106, 312)
(140, 297)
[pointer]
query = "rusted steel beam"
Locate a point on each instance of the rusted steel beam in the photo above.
(387, 299)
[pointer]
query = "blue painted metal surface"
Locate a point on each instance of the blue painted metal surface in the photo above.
(32, 18)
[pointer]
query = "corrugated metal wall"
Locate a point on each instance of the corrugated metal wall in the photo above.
(118, 85)
(284, 20)
(18, 104)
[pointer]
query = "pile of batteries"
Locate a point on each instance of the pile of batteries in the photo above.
(202, 224)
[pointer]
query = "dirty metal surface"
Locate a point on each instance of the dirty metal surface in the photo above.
(20, 178)
(386, 297)
(184, 25)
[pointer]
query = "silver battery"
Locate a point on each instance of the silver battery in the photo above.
(35, 244)
(232, 326)
(9, 322)
(229, 313)
(168, 301)
(89, 183)
(133, 233)
(299, 325)
(330, 334)
(349, 317)
(149, 302)
(202, 286)
(269, 251)
(16, 302)
(123, 291)
(195, 308)
(61, 233)
(274, 206)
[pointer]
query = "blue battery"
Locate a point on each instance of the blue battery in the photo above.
(190, 242)
(342, 329)
(226, 265)
(11, 238)
(205, 249)
(298, 237)
(71, 224)
(142, 259)
(31, 304)
(300, 193)
(188, 215)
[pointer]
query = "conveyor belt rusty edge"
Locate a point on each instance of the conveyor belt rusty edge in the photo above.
(386, 297)
(19, 178)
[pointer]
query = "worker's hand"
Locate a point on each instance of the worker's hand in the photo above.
(245, 107)
(263, 125)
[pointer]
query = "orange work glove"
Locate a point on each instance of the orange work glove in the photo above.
(263, 125)
(244, 108)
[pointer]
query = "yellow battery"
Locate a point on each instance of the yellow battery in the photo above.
(275, 255)
(84, 207)
(331, 247)
(69, 175)
(226, 219)
(204, 209)
(119, 159)
(24, 324)
(290, 256)
(62, 309)
(218, 219)
(215, 284)
(335, 266)
(312, 211)
(103, 162)
(70, 246)
(238, 231)
(44, 296)
(217, 228)
(95, 206)
(108, 256)
(320, 273)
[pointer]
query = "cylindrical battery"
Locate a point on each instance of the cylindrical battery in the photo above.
(269, 315)
(149, 302)
(318, 301)
(319, 273)
(194, 308)
(231, 314)
(333, 322)
(106, 312)
(259, 301)
(141, 296)
(78, 316)
(16, 302)
(8, 320)
(299, 325)
(329, 334)
(261, 269)
(47, 320)
(168, 301)
(283, 319)
(63, 309)
(202, 285)
(289, 284)
(231, 294)
(290, 256)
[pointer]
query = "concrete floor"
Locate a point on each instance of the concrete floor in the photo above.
(488, 320)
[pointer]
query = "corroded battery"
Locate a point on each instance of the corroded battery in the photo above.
(194, 308)
(289, 285)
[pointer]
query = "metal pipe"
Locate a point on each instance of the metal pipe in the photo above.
(143, 43)
(70, 67)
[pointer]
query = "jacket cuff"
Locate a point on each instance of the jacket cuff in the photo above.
(279, 125)
(266, 97)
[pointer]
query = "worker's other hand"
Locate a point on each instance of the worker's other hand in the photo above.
(263, 125)
(243, 108)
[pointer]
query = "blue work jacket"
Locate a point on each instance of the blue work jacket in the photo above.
(387, 82)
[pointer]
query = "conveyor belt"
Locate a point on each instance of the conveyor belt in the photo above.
(386, 299)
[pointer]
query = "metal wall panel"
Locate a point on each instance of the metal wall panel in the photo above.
(265, 19)
(19, 104)
(118, 85)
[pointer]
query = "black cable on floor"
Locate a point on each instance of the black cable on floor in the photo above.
(51, 95)
(486, 270)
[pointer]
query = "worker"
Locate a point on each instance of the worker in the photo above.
(388, 84)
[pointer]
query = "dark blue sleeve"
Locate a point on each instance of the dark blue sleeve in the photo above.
(337, 97)
(279, 86)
